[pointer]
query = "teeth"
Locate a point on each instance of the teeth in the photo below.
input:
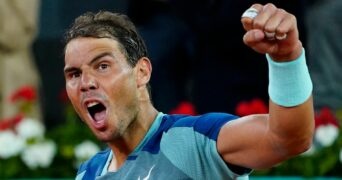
(91, 104)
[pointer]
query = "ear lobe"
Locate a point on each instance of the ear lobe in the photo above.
(144, 70)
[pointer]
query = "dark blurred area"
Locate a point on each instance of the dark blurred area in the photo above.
(196, 50)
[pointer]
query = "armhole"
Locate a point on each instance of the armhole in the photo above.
(239, 169)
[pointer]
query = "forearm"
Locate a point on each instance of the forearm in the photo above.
(291, 119)
(292, 127)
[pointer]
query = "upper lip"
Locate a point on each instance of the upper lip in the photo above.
(88, 101)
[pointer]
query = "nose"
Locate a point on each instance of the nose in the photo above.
(88, 82)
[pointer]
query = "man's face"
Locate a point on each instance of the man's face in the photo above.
(101, 86)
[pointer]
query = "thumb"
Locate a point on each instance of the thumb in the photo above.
(253, 36)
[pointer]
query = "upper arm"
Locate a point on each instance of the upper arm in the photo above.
(246, 142)
(262, 141)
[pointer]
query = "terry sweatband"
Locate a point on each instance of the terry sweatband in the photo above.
(289, 82)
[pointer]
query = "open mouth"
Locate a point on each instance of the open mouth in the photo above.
(97, 111)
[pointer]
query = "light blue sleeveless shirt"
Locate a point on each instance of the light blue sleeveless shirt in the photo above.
(175, 147)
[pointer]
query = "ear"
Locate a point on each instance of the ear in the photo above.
(143, 70)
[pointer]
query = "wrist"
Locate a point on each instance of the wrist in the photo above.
(289, 82)
(293, 54)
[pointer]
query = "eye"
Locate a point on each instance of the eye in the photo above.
(73, 75)
(103, 66)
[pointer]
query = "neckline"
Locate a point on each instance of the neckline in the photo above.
(154, 127)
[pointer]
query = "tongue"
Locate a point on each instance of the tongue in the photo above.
(100, 116)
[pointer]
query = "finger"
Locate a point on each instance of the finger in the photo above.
(248, 16)
(281, 27)
(253, 36)
(281, 36)
(265, 14)
(270, 35)
(287, 26)
(272, 25)
(255, 39)
(250, 13)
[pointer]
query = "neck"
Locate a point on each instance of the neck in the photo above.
(125, 145)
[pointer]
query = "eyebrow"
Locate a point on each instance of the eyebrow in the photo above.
(94, 60)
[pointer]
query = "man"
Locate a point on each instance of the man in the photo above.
(107, 73)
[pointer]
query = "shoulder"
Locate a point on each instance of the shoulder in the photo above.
(179, 126)
(207, 124)
(213, 115)
(191, 145)
(93, 167)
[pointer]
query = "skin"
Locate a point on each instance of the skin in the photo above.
(261, 141)
(97, 70)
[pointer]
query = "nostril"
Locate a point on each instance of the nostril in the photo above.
(83, 89)
(92, 87)
(88, 86)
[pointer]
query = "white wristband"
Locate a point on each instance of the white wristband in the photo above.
(289, 82)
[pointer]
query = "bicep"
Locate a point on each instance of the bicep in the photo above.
(247, 142)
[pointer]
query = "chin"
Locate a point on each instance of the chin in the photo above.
(103, 138)
(106, 137)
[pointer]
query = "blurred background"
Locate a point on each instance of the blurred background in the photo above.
(200, 65)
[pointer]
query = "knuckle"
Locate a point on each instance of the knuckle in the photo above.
(258, 24)
(292, 17)
(270, 5)
(281, 29)
(256, 5)
(281, 11)
(269, 28)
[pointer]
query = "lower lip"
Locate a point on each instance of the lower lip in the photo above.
(99, 125)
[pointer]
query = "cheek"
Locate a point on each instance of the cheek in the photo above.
(73, 97)
(72, 93)
(120, 86)
(125, 89)
(71, 85)
(123, 97)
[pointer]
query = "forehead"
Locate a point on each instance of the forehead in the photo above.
(88, 47)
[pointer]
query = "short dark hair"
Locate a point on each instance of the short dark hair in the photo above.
(115, 26)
